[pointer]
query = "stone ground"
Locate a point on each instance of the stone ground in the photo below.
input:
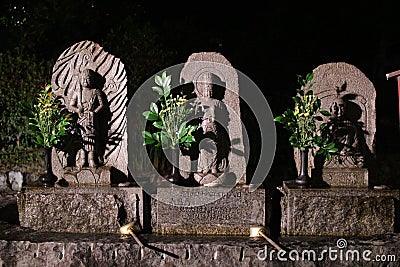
(24, 247)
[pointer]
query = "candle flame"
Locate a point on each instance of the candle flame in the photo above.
(126, 229)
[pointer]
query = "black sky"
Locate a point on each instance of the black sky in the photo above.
(273, 41)
(269, 41)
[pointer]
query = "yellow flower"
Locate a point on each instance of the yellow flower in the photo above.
(296, 110)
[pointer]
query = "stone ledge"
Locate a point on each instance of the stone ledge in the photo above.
(24, 247)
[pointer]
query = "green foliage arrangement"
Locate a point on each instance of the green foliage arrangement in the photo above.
(49, 121)
(168, 117)
(301, 121)
(21, 77)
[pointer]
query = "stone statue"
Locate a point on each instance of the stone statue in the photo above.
(92, 83)
(207, 107)
(346, 134)
(219, 156)
(86, 103)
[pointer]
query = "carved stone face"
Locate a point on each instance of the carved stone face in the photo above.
(204, 85)
(337, 108)
(86, 78)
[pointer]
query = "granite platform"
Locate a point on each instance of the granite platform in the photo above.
(22, 246)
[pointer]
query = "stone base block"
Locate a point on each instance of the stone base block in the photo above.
(232, 214)
(337, 211)
(96, 209)
(343, 177)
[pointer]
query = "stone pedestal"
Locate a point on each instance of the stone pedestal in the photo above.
(343, 177)
(232, 214)
(337, 211)
(96, 209)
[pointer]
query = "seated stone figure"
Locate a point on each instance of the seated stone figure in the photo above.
(347, 136)
(86, 103)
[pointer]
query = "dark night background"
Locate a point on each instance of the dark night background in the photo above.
(271, 42)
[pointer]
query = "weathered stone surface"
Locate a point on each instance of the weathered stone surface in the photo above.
(222, 107)
(20, 246)
(337, 211)
(205, 179)
(80, 209)
(23, 247)
(232, 214)
(344, 177)
(89, 176)
(3, 182)
(15, 179)
(100, 106)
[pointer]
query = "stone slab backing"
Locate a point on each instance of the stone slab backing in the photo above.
(97, 209)
(65, 82)
(337, 211)
(232, 214)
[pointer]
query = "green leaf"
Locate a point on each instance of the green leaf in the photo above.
(310, 92)
(182, 130)
(300, 92)
(167, 91)
(296, 99)
(153, 107)
(39, 139)
(149, 141)
(186, 144)
(325, 112)
(333, 150)
(309, 76)
(188, 111)
(328, 156)
(146, 114)
(152, 116)
(330, 146)
(158, 124)
(146, 134)
(159, 90)
(167, 81)
(190, 138)
(278, 119)
(158, 80)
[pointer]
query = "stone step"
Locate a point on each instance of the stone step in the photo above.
(25, 247)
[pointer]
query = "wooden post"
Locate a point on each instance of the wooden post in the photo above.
(397, 75)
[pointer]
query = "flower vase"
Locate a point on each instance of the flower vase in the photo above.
(175, 176)
(303, 179)
(48, 179)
